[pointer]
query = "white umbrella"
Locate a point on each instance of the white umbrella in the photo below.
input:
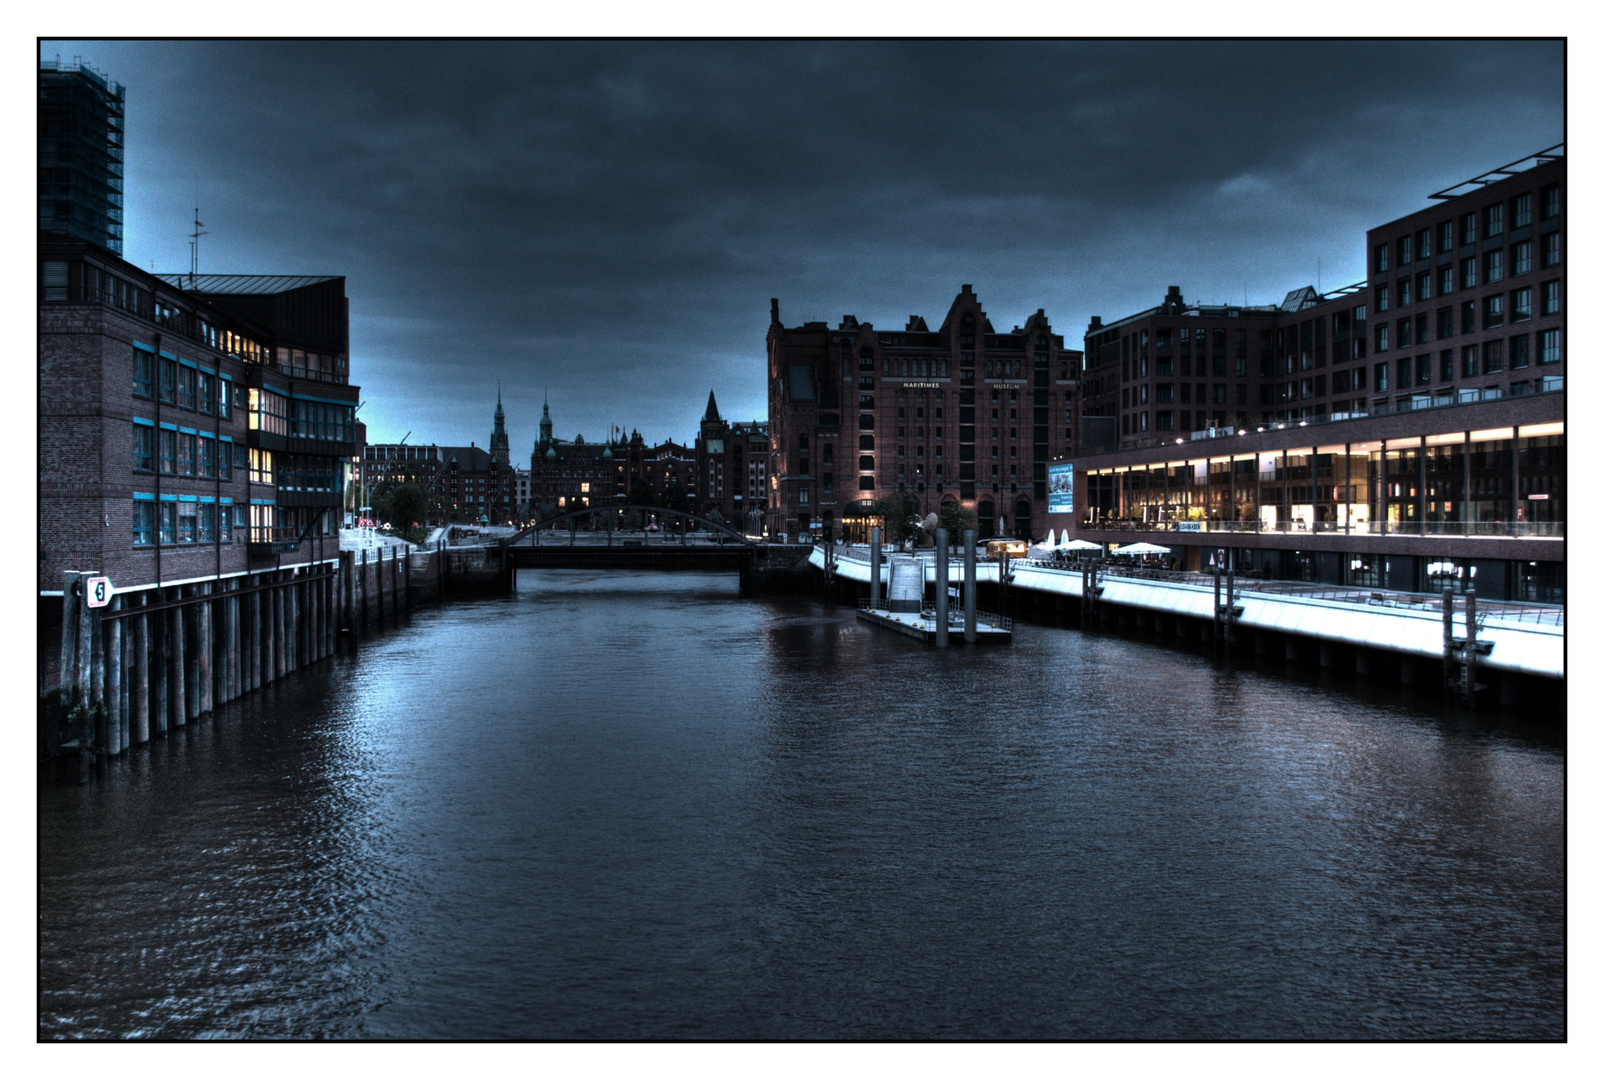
(1047, 543)
(1079, 545)
(1143, 549)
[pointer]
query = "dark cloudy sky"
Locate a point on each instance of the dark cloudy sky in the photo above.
(608, 220)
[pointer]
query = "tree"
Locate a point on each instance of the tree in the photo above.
(955, 518)
(409, 505)
(900, 513)
(714, 516)
(640, 494)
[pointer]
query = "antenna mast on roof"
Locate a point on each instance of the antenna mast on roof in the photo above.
(194, 248)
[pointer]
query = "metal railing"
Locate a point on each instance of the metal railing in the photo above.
(1504, 529)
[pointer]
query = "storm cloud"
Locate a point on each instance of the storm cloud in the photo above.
(606, 221)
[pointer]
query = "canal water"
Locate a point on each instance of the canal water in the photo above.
(622, 806)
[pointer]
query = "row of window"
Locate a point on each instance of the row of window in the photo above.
(1415, 330)
(1482, 358)
(1489, 220)
(184, 452)
(1487, 268)
(183, 385)
(174, 521)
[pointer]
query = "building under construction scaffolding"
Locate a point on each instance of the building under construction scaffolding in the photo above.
(81, 154)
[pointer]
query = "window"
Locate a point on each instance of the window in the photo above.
(186, 387)
(144, 521)
(1423, 287)
(1405, 298)
(1381, 265)
(866, 483)
(1552, 351)
(1551, 202)
(225, 523)
(208, 456)
(1520, 305)
(1467, 228)
(1445, 280)
(1445, 236)
(144, 375)
(1381, 298)
(225, 461)
(1445, 366)
(1405, 335)
(168, 516)
(186, 453)
(186, 522)
(1381, 378)
(1492, 310)
(225, 398)
(169, 380)
(1406, 372)
(1495, 266)
(865, 442)
(261, 466)
(1467, 317)
(1495, 220)
(207, 523)
(1522, 211)
(1423, 243)
(1550, 298)
(144, 447)
(1467, 273)
(1381, 338)
(1469, 362)
(167, 440)
(1492, 357)
(1520, 351)
(1445, 322)
(1404, 249)
(1522, 257)
(207, 393)
(1551, 249)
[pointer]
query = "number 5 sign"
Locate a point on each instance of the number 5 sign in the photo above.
(97, 591)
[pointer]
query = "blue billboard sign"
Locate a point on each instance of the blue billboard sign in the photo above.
(1061, 488)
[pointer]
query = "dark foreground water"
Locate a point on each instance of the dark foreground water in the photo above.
(632, 806)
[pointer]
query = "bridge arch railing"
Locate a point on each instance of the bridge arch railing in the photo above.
(603, 511)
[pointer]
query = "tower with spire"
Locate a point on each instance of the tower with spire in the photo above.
(499, 448)
(545, 426)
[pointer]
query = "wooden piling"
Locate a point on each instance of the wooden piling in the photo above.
(116, 715)
(70, 601)
(139, 686)
(203, 650)
(943, 633)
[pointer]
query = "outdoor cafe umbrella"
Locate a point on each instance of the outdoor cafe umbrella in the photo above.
(1078, 545)
(1143, 549)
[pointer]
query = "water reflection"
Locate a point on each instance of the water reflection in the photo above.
(643, 806)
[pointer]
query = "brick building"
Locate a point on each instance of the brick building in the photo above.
(189, 428)
(962, 413)
(731, 466)
(1407, 432)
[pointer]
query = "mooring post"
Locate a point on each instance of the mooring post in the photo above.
(874, 569)
(1217, 628)
(942, 577)
(204, 647)
(362, 601)
(1470, 647)
(1230, 607)
(969, 585)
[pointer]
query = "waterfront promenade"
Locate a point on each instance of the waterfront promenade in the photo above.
(1525, 639)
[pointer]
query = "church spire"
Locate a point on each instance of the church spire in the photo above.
(712, 409)
(500, 448)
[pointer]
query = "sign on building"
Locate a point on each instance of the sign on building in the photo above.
(97, 591)
(1061, 488)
